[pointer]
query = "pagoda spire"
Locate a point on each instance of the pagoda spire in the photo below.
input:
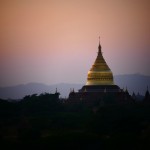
(99, 46)
(147, 91)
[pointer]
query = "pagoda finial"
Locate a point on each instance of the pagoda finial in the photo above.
(56, 91)
(126, 90)
(99, 46)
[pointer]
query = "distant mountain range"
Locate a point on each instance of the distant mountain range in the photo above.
(19, 91)
(133, 82)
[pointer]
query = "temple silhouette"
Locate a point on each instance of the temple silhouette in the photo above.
(100, 86)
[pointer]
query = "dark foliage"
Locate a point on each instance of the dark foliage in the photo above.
(45, 122)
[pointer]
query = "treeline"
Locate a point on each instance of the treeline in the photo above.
(39, 121)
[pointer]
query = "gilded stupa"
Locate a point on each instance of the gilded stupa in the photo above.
(100, 76)
(99, 87)
(100, 73)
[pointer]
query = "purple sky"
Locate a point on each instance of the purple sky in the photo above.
(56, 41)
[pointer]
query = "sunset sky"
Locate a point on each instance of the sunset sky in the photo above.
(56, 41)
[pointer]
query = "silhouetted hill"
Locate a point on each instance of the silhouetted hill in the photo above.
(134, 82)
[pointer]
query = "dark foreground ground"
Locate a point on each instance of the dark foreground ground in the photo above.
(48, 124)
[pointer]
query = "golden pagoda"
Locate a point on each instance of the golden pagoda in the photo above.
(99, 88)
(100, 73)
(100, 77)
